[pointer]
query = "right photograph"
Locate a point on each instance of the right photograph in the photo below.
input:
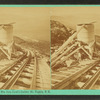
(75, 47)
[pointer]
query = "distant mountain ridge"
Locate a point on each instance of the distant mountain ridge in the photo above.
(42, 46)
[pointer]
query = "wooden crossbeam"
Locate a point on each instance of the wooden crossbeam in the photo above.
(8, 56)
(89, 55)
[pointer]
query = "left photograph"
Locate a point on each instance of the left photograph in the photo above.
(25, 48)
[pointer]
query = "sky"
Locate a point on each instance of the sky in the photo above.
(71, 16)
(34, 22)
(31, 22)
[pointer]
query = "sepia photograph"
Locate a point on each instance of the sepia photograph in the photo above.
(75, 47)
(25, 48)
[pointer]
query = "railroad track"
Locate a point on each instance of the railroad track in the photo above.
(80, 77)
(23, 74)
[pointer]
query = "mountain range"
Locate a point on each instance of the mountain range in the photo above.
(42, 46)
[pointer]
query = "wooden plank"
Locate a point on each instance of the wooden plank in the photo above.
(56, 80)
(33, 84)
(60, 75)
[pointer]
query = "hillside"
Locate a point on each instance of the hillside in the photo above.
(59, 32)
(42, 46)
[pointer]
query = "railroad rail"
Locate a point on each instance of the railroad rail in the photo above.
(23, 74)
(80, 77)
